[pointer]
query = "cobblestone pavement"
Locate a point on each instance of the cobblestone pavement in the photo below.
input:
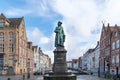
(79, 77)
(19, 77)
(90, 77)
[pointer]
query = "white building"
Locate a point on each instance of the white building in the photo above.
(69, 64)
(80, 63)
(36, 51)
(94, 59)
(90, 60)
(45, 63)
(75, 64)
(85, 61)
(42, 62)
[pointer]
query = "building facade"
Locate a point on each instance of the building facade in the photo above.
(45, 63)
(30, 58)
(115, 51)
(105, 49)
(90, 60)
(110, 50)
(80, 63)
(75, 64)
(13, 45)
(36, 51)
(85, 62)
(94, 60)
(42, 62)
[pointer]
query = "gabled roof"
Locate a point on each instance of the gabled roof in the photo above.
(15, 21)
(74, 60)
(109, 29)
(90, 50)
(3, 16)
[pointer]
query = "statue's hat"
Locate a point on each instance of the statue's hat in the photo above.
(59, 22)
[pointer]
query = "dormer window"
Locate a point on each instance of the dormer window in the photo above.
(2, 24)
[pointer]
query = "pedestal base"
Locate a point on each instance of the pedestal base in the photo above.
(59, 77)
(59, 67)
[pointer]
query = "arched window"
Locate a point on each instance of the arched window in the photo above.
(1, 37)
(11, 36)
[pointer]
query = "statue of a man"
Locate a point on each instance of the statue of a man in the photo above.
(60, 36)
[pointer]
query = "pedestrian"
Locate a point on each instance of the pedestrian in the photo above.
(23, 77)
(28, 75)
(8, 78)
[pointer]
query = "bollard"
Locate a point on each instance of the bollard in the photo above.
(8, 78)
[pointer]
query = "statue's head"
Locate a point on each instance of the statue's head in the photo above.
(59, 23)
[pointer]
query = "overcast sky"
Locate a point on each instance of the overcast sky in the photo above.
(82, 21)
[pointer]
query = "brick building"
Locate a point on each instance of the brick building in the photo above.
(109, 50)
(115, 51)
(13, 45)
(30, 59)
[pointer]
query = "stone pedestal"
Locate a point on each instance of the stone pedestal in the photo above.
(59, 67)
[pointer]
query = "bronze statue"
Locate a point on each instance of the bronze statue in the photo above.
(60, 36)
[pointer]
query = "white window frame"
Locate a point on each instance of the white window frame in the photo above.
(113, 45)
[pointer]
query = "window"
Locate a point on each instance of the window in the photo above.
(1, 47)
(113, 61)
(115, 34)
(10, 62)
(1, 37)
(11, 36)
(1, 62)
(117, 59)
(10, 47)
(2, 24)
(113, 45)
(117, 43)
